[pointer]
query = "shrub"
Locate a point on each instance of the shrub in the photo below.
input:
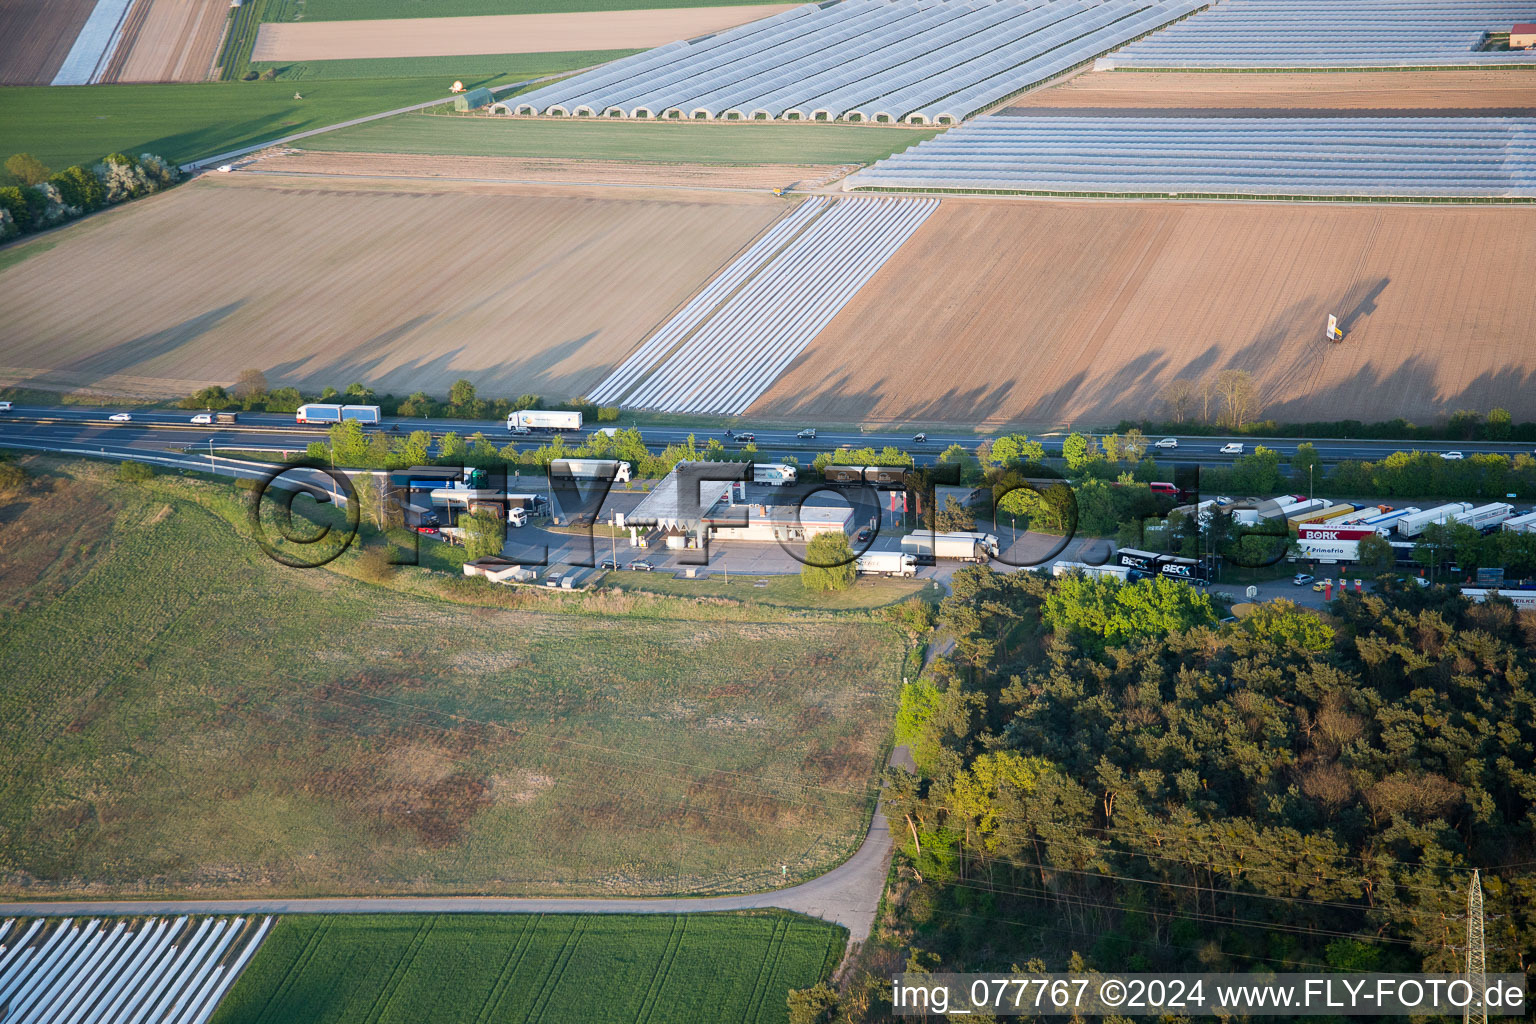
(134, 472)
(829, 563)
(484, 534)
(12, 477)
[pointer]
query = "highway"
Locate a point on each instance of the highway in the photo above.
(162, 431)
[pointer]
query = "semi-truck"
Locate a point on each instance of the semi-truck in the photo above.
(1521, 524)
(876, 475)
(1187, 569)
(322, 412)
(1384, 523)
(1412, 526)
(1289, 505)
(887, 563)
(1140, 561)
(526, 421)
(1317, 515)
(967, 546)
(1113, 572)
(775, 474)
(592, 469)
(1485, 517)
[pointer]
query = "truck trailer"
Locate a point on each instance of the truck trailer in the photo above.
(1485, 517)
(592, 469)
(1187, 569)
(322, 412)
(774, 474)
(1412, 526)
(966, 546)
(1141, 561)
(526, 421)
(887, 563)
(1100, 572)
(1521, 524)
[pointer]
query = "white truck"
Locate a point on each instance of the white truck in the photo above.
(1114, 572)
(1485, 517)
(324, 412)
(592, 469)
(1412, 526)
(1521, 524)
(775, 474)
(887, 563)
(526, 421)
(968, 546)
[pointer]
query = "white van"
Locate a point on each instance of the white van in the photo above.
(203, 417)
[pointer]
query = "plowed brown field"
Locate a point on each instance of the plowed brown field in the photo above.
(520, 169)
(403, 286)
(498, 33)
(35, 37)
(1505, 88)
(1049, 313)
(169, 41)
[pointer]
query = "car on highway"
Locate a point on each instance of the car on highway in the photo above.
(203, 417)
(121, 417)
(808, 434)
(642, 565)
(919, 438)
(5, 406)
(746, 437)
(1452, 456)
(1302, 579)
(1167, 442)
(1232, 448)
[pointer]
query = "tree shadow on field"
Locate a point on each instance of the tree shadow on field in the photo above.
(132, 354)
(358, 363)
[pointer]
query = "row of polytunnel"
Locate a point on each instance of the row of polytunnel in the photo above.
(883, 61)
(1458, 157)
(721, 351)
(121, 971)
(1327, 33)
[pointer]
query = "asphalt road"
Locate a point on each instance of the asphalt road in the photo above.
(278, 432)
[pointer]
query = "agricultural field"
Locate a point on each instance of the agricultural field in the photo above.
(169, 41)
(636, 141)
(184, 122)
(524, 289)
(1480, 90)
(473, 70)
(37, 37)
(520, 33)
(189, 717)
(532, 169)
(367, 10)
(1046, 313)
(559, 969)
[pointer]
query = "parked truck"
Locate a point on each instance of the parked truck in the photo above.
(1112, 572)
(1521, 524)
(774, 474)
(1412, 526)
(1137, 560)
(526, 421)
(592, 469)
(966, 546)
(1485, 517)
(887, 563)
(322, 412)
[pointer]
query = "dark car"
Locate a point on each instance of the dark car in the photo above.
(608, 563)
(746, 437)
(919, 438)
(642, 565)
(863, 535)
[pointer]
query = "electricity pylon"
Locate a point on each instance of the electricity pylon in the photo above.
(1477, 959)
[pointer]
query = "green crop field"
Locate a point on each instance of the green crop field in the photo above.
(61, 126)
(641, 141)
(556, 969)
(473, 71)
(182, 714)
(359, 10)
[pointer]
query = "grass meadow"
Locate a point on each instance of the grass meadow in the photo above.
(720, 142)
(556, 969)
(186, 715)
(474, 70)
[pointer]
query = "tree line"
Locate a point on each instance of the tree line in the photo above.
(33, 197)
(1109, 777)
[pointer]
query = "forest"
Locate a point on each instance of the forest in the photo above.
(1123, 778)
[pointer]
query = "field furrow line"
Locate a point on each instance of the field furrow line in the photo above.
(546, 996)
(488, 1012)
(401, 969)
(664, 970)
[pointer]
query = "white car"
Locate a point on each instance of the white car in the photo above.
(203, 417)
(5, 406)
(1232, 448)
(121, 417)
(1167, 442)
(226, 168)
(1452, 456)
